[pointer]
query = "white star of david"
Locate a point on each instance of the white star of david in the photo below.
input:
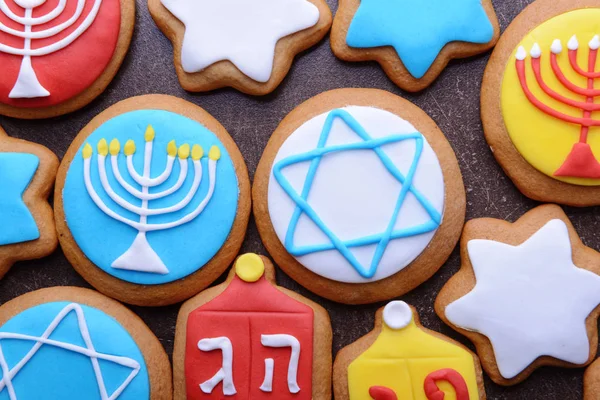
(88, 350)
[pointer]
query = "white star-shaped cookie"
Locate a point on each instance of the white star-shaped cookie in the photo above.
(244, 32)
(529, 300)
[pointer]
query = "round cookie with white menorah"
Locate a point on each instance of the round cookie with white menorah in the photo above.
(152, 200)
(58, 56)
(358, 196)
(540, 102)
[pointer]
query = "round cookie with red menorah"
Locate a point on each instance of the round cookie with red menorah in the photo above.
(248, 338)
(56, 56)
(540, 102)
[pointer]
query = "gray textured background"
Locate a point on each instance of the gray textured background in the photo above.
(452, 101)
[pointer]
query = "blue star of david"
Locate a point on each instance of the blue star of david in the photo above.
(303, 207)
(16, 172)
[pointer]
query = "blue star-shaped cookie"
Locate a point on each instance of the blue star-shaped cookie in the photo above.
(418, 29)
(303, 207)
(17, 225)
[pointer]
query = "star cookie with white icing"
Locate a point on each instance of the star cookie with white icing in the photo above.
(245, 44)
(527, 294)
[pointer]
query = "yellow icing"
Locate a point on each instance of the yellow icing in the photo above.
(184, 151)
(149, 135)
(87, 151)
(249, 267)
(401, 360)
(214, 153)
(172, 148)
(129, 148)
(542, 140)
(197, 152)
(102, 147)
(115, 147)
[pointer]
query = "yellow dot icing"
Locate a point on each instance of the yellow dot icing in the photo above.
(172, 148)
(544, 141)
(401, 359)
(149, 135)
(102, 147)
(249, 267)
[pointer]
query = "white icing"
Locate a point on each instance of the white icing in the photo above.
(283, 340)
(529, 300)
(397, 315)
(355, 195)
(225, 373)
(536, 52)
(573, 43)
(27, 84)
(556, 47)
(267, 385)
(595, 43)
(521, 53)
(88, 351)
(244, 32)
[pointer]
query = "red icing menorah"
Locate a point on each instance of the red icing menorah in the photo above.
(580, 162)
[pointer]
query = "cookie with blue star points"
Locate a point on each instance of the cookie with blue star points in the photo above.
(27, 173)
(527, 294)
(358, 196)
(247, 45)
(412, 40)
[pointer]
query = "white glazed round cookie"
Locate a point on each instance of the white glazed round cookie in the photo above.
(355, 196)
(358, 196)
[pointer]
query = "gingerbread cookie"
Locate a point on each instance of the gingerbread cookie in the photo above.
(591, 382)
(247, 45)
(71, 343)
(401, 359)
(248, 338)
(413, 40)
(58, 56)
(27, 172)
(358, 196)
(152, 200)
(527, 294)
(539, 102)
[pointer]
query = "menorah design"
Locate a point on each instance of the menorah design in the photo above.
(140, 256)
(27, 84)
(580, 162)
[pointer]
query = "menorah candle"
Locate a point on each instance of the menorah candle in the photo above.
(526, 294)
(247, 45)
(358, 196)
(150, 197)
(413, 41)
(400, 359)
(251, 339)
(27, 173)
(58, 55)
(68, 343)
(539, 102)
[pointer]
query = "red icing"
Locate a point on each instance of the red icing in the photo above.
(382, 393)
(242, 313)
(67, 72)
(449, 375)
(580, 162)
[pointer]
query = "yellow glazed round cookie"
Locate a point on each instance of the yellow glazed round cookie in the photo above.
(540, 102)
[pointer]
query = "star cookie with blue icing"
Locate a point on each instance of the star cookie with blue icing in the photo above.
(245, 44)
(413, 40)
(27, 172)
(527, 294)
(70, 343)
(358, 196)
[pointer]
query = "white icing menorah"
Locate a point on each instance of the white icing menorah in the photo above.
(27, 84)
(140, 256)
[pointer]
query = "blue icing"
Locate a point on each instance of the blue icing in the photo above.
(17, 223)
(54, 373)
(183, 249)
(418, 29)
(303, 207)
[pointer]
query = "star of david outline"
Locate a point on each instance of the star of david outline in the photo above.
(89, 351)
(303, 207)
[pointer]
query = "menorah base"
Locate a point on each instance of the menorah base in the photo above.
(27, 85)
(141, 257)
(580, 163)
